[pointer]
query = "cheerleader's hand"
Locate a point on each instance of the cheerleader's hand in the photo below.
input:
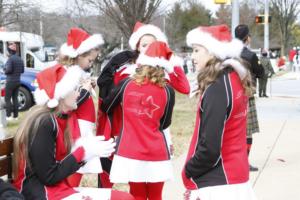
(87, 84)
(96, 146)
(169, 68)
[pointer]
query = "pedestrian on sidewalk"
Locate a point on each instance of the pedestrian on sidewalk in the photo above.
(142, 158)
(14, 67)
(296, 61)
(257, 71)
(217, 165)
(268, 73)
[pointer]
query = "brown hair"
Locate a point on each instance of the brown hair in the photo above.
(213, 69)
(26, 133)
(155, 75)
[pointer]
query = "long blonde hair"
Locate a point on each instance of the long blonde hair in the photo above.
(155, 75)
(213, 69)
(26, 133)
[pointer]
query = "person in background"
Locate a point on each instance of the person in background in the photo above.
(292, 53)
(14, 67)
(257, 71)
(268, 73)
(217, 165)
(296, 61)
(281, 63)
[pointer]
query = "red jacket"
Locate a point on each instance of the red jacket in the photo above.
(147, 110)
(218, 152)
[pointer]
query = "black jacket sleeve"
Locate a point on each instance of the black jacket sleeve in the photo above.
(105, 80)
(256, 68)
(114, 97)
(84, 95)
(8, 192)
(213, 115)
(167, 117)
(9, 66)
(42, 155)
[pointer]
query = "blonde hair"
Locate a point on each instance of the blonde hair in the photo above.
(155, 75)
(68, 61)
(26, 133)
(213, 69)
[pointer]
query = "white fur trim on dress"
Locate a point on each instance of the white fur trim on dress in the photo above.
(87, 128)
(225, 192)
(237, 66)
(144, 30)
(220, 49)
(90, 43)
(124, 170)
(69, 82)
(92, 166)
(68, 51)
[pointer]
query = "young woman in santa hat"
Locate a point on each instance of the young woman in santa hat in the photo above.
(123, 65)
(216, 165)
(142, 158)
(43, 152)
(80, 50)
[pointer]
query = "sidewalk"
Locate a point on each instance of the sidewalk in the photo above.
(276, 151)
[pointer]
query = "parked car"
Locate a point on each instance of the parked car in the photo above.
(28, 85)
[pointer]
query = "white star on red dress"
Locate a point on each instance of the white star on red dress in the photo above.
(148, 107)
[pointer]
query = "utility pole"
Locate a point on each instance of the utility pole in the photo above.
(235, 18)
(266, 26)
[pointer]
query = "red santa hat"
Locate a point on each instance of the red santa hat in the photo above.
(56, 83)
(141, 29)
(216, 39)
(79, 42)
(157, 54)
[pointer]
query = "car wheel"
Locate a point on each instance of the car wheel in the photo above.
(25, 99)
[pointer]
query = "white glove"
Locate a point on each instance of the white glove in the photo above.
(175, 61)
(96, 146)
(169, 68)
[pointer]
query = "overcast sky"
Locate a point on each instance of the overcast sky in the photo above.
(58, 5)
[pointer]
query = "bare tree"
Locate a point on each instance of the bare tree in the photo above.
(285, 13)
(126, 12)
(9, 12)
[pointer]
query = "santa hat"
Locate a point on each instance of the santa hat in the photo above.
(157, 54)
(141, 29)
(217, 40)
(79, 42)
(56, 83)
